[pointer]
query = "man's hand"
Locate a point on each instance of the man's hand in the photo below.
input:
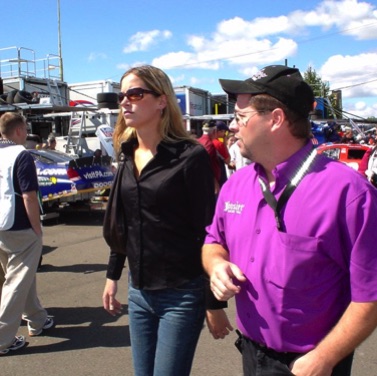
(310, 364)
(222, 279)
(357, 323)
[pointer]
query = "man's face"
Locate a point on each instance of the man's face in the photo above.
(251, 128)
(220, 133)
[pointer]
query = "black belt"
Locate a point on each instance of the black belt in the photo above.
(343, 368)
(283, 356)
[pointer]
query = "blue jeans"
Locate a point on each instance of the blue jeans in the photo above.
(164, 327)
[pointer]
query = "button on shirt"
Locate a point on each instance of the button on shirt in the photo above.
(166, 210)
(300, 282)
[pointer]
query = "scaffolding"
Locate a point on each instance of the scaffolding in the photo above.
(21, 62)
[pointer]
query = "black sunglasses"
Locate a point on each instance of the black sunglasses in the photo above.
(135, 94)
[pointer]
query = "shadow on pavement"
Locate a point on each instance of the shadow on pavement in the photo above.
(76, 268)
(47, 249)
(75, 336)
(77, 218)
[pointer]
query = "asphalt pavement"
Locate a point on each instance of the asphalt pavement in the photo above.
(87, 340)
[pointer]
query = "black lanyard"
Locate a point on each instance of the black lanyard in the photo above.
(290, 187)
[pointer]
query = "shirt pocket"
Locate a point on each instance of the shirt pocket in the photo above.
(296, 263)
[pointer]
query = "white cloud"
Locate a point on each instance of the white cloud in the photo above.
(355, 75)
(175, 80)
(173, 59)
(267, 40)
(245, 45)
(258, 28)
(194, 81)
(209, 53)
(200, 81)
(183, 59)
(350, 16)
(361, 109)
(96, 55)
(125, 66)
(143, 40)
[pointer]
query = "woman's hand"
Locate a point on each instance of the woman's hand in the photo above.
(218, 323)
(110, 304)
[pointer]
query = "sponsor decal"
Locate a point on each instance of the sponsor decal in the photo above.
(51, 171)
(102, 185)
(233, 207)
(97, 175)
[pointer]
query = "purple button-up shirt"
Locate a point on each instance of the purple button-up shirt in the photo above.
(299, 282)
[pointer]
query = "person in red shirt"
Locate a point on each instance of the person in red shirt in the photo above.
(207, 140)
(222, 150)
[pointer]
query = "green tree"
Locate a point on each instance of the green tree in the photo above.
(322, 89)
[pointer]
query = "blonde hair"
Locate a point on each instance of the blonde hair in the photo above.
(9, 121)
(171, 125)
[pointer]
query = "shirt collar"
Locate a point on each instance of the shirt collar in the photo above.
(173, 148)
(7, 142)
(285, 171)
(127, 147)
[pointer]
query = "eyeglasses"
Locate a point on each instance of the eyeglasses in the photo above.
(243, 120)
(135, 94)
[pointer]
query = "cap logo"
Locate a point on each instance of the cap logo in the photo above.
(259, 75)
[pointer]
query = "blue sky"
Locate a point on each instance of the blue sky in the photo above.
(198, 42)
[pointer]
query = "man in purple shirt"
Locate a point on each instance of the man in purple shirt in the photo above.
(293, 239)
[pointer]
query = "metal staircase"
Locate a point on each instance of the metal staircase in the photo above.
(76, 143)
(55, 95)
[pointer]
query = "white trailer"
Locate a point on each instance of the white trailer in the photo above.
(193, 102)
(88, 91)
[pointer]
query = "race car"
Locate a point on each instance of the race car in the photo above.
(63, 177)
(350, 154)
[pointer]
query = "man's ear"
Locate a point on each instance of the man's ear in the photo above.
(278, 118)
(19, 131)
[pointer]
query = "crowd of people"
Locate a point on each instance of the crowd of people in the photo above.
(243, 212)
(335, 133)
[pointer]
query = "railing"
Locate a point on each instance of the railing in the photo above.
(16, 62)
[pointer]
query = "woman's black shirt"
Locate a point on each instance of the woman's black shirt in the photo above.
(165, 211)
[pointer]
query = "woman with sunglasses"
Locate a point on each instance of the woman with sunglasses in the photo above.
(162, 199)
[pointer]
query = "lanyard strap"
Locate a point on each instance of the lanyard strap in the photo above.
(277, 205)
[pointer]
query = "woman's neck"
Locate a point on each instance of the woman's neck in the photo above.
(148, 141)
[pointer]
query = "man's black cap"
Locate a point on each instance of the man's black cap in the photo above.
(281, 82)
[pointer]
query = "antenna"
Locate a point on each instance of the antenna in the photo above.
(60, 44)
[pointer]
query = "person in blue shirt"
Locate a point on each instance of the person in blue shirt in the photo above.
(20, 237)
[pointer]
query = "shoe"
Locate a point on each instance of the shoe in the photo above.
(19, 341)
(49, 323)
